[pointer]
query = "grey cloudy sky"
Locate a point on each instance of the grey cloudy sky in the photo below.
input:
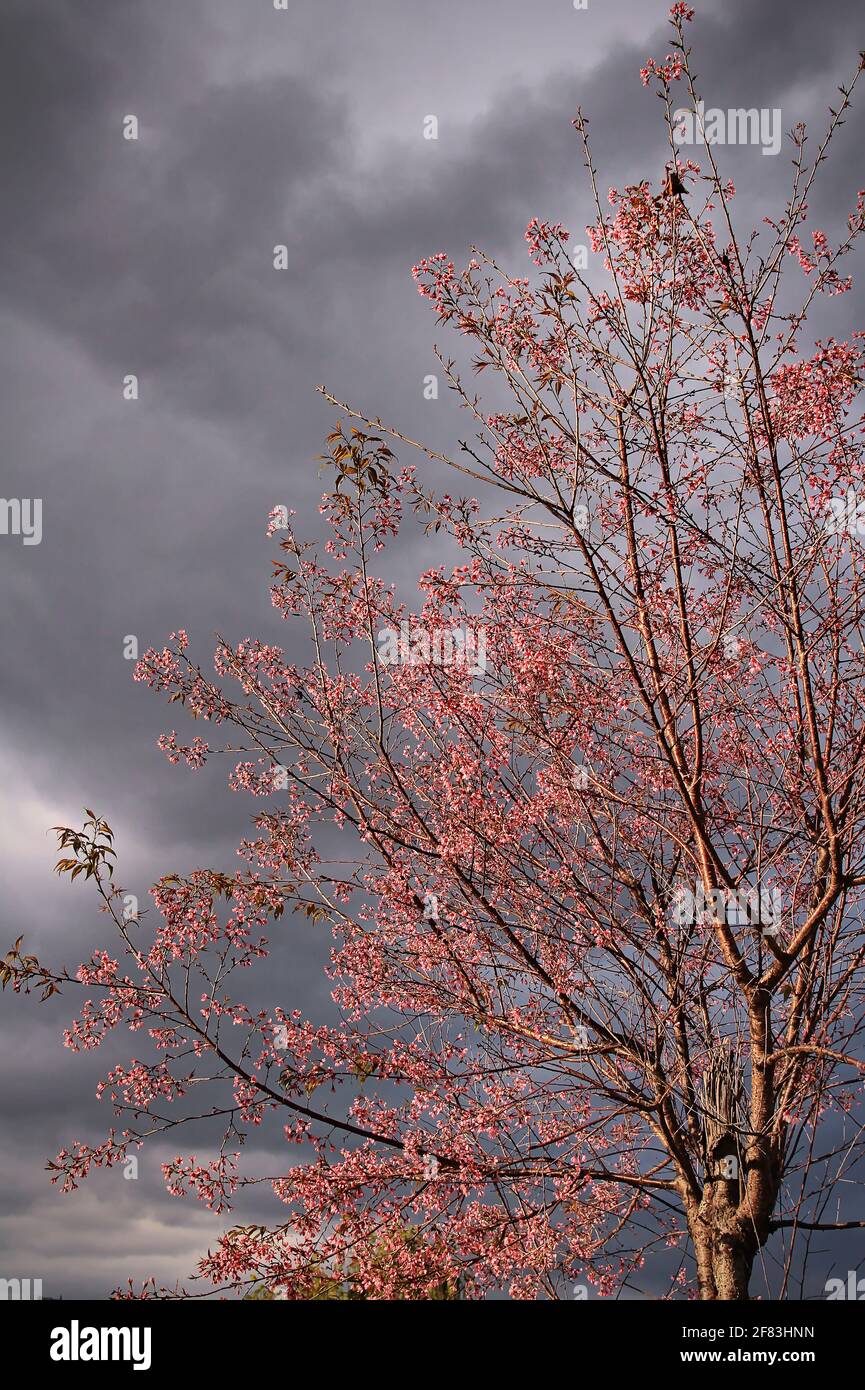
(258, 127)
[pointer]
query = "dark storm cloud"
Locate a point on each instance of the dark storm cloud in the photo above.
(155, 257)
(149, 251)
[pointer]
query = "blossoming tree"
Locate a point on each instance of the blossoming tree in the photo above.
(544, 1068)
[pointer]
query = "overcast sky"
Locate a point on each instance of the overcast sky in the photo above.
(154, 257)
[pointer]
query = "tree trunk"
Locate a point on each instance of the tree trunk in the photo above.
(730, 1223)
(731, 1267)
(725, 1248)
